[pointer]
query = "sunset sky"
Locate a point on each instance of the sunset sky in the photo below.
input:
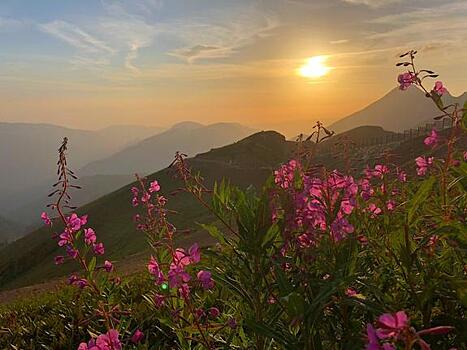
(90, 64)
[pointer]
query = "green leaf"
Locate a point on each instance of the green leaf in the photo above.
(214, 232)
(92, 264)
(419, 198)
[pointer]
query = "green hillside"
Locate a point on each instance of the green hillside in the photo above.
(250, 161)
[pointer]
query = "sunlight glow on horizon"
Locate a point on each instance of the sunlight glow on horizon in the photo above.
(315, 67)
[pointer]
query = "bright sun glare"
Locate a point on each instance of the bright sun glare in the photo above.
(315, 67)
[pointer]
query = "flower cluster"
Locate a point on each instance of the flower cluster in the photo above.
(107, 341)
(392, 329)
(318, 205)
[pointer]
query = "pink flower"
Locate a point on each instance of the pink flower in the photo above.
(194, 253)
(73, 253)
(137, 337)
(108, 266)
(154, 187)
(134, 201)
(46, 219)
(402, 176)
(439, 89)
(206, 280)
(180, 258)
(89, 236)
(177, 276)
(153, 268)
(145, 198)
(391, 325)
(76, 281)
(109, 341)
(423, 164)
(59, 260)
(380, 170)
(99, 249)
(390, 205)
(432, 139)
(184, 291)
(406, 80)
(350, 292)
(465, 156)
(64, 238)
(74, 222)
(372, 338)
(214, 312)
(135, 191)
(374, 210)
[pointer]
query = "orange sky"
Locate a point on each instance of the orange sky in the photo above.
(162, 62)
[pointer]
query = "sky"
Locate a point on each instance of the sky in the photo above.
(90, 64)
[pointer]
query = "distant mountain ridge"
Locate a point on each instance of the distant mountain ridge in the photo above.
(396, 111)
(156, 152)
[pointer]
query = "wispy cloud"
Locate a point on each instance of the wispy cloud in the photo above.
(372, 3)
(205, 38)
(75, 36)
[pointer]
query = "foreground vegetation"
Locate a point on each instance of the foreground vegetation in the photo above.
(315, 259)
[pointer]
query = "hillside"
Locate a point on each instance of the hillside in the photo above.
(8, 230)
(396, 111)
(95, 186)
(30, 259)
(156, 152)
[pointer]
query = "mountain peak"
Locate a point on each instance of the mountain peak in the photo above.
(187, 125)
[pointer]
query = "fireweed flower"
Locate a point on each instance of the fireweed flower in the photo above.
(109, 341)
(153, 268)
(98, 249)
(214, 312)
(405, 80)
(46, 219)
(423, 164)
(154, 187)
(108, 266)
(89, 236)
(137, 337)
(177, 276)
(59, 260)
(75, 222)
(432, 139)
(205, 278)
(374, 210)
(391, 325)
(439, 89)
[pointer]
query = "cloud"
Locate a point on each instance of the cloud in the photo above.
(219, 35)
(338, 42)
(372, 3)
(75, 36)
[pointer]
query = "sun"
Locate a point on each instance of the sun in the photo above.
(315, 67)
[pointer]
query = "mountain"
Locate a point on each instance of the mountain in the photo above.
(95, 186)
(248, 162)
(28, 154)
(396, 111)
(8, 230)
(157, 152)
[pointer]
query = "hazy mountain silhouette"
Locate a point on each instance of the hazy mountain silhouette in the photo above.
(28, 155)
(157, 152)
(8, 230)
(396, 111)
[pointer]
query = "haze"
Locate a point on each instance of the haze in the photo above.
(91, 64)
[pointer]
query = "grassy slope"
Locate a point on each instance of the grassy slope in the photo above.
(30, 259)
(250, 161)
